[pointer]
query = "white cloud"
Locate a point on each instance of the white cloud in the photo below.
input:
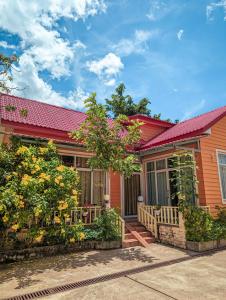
(180, 34)
(43, 47)
(210, 9)
(158, 9)
(137, 44)
(106, 68)
(196, 108)
(5, 45)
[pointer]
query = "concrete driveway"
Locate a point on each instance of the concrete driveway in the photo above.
(170, 274)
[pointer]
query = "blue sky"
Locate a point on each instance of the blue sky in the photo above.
(171, 51)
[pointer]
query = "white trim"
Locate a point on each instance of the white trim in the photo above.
(218, 151)
(167, 170)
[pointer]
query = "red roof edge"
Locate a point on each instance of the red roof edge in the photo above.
(151, 120)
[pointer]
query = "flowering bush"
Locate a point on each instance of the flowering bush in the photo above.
(37, 193)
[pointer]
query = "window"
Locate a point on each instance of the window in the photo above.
(93, 184)
(161, 179)
(222, 173)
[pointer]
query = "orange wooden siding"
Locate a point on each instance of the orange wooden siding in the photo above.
(149, 131)
(209, 145)
(115, 190)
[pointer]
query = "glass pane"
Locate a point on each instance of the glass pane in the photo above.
(162, 188)
(98, 187)
(151, 189)
(85, 187)
(67, 160)
(222, 159)
(82, 162)
(223, 180)
(160, 164)
(150, 166)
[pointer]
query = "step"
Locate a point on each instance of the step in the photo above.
(130, 243)
(129, 235)
(140, 228)
(145, 234)
(150, 239)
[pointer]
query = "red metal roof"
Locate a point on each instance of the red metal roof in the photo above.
(187, 129)
(40, 114)
(152, 121)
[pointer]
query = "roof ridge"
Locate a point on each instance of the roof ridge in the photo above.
(40, 101)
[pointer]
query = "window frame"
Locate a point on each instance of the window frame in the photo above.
(106, 179)
(167, 170)
(218, 151)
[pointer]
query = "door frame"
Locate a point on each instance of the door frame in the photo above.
(122, 184)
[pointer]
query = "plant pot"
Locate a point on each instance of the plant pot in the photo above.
(201, 246)
(221, 243)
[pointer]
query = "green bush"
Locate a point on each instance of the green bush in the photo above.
(200, 226)
(106, 226)
(36, 192)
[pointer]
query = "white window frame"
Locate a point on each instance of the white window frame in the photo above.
(167, 170)
(218, 151)
(107, 178)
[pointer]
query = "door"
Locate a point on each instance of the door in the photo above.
(131, 192)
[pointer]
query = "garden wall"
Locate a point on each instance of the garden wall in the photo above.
(37, 252)
(173, 235)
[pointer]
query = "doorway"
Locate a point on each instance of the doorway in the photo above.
(132, 189)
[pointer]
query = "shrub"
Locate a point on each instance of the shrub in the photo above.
(106, 226)
(36, 190)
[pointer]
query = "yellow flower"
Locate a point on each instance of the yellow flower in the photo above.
(39, 238)
(21, 150)
(41, 180)
(37, 211)
(62, 184)
(57, 220)
(43, 150)
(81, 236)
(15, 227)
(44, 176)
(74, 192)
(21, 204)
(8, 177)
(34, 159)
(5, 219)
(57, 181)
(62, 231)
(25, 179)
(2, 207)
(72, 240)
(60, 168)
(62, 205)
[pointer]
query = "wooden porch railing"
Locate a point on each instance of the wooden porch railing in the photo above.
(148, 220)
(166, 214)
(121, 226)
(86, 215)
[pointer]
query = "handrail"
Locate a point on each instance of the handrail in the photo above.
(164, 215)
(148, 220)
(121, 225)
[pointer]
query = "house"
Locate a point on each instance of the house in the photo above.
(204, 136)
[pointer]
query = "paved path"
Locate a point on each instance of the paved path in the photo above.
(199, 278)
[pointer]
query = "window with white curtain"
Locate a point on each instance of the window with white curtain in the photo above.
(222, 173)
(92, 183)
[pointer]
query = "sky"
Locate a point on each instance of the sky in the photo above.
(170, 51)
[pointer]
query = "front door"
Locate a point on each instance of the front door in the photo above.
(131, 192)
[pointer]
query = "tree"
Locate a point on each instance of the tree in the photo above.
(6, 65)
(124, 104)
(108, 139)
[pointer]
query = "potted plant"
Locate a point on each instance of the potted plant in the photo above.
(157, 209)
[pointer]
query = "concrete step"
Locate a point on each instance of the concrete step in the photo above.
(130, 243)
(145, 234)
(128, 236)
(150, 239)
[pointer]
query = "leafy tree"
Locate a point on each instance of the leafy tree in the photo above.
(33, 185)
(108, 139)
(6, 65)
(124, 104)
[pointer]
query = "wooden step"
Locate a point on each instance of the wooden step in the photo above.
(145, 233)
(149, 239)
